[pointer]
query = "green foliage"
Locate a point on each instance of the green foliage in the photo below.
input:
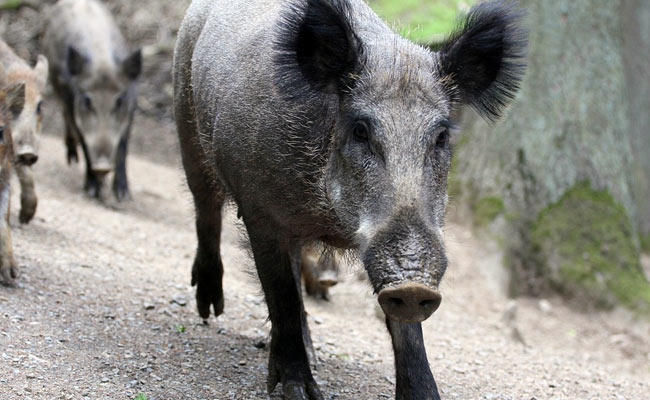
(180, 328)
(586, 242)
(645, 243)
(140, 396)
(485, 210)
(422, 21)
(10, 4)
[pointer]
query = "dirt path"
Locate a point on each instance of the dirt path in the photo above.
(104, 310)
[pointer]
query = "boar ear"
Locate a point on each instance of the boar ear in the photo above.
(15, 98)
(317, 47)
(483, 61)
(42, 70)
(132, 66)
(76, 62)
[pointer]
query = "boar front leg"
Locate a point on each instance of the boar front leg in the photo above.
(209, 196)
(8, 267)
(70, 137)
(414, 378)
(120, 184)
(207, 271)
(288, 361)
(93, 184)
(28, 199)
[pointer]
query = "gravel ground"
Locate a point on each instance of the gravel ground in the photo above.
(104, 309)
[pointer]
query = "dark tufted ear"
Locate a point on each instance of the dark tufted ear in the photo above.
(132, 66)
(76, 62)
(316, 47)
(484, 60)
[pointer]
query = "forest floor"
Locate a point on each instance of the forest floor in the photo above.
(104, 309)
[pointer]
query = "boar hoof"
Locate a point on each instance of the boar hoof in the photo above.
(27, 210)
(301, 386)
(8, 271)
(72, 155)
(93, 188)
(205, 300)
(121, 193)
(209, 293)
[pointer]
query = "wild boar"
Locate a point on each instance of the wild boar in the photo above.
(27, 125)
(320, 271)
(12, 100)
(324, 125)
(94, 76)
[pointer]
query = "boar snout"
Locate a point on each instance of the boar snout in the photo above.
(405, 260)
(102, 167)
(27, 157)
(26, 153)
(409, 302)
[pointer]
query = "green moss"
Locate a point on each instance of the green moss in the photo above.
(586, 242)
(486, 210)
(10, 4)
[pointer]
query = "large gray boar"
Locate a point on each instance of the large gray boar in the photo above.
(322, 124)
(27, 125)
(94, 76)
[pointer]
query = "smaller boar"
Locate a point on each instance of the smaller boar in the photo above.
(27, 125)
(12, 100)
(320, 271)
(94, 76)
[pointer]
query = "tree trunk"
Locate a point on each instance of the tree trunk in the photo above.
(577, 133)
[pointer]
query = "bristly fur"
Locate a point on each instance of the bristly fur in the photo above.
(486, 57)
(316, 49)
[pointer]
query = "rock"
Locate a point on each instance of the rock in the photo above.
(545, 306)
(180, 300)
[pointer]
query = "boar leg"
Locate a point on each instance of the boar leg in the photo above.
(414, 378)
(298, 267)
(28, 199)
(288, 361)
(8, 267)
(93, 185)
(70, 137)
(209, 196)
(120, 184)
(207, 271)
(310, 276)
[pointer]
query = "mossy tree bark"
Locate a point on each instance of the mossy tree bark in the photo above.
(581, 116)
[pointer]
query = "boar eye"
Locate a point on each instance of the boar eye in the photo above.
(39, 108)
(443, 139)
(361, 131)
(87, 102)
(119, 102)
(2, 133)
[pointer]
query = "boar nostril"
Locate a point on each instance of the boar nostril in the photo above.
(27, 158)
(429, 303)
(396, 301)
